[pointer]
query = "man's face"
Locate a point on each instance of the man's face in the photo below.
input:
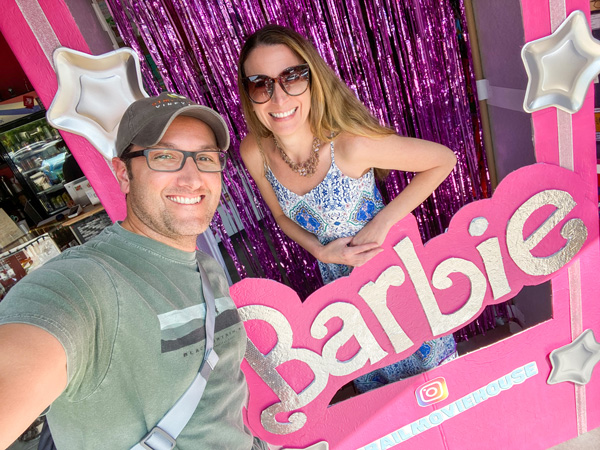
(172, 207)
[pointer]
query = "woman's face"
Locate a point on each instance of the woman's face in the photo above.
(284, 114)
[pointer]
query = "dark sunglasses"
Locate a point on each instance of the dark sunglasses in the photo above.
(293, 80)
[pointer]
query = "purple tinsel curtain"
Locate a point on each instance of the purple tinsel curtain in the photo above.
(407, 60)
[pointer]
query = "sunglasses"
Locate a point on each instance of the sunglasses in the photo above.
(293, 80)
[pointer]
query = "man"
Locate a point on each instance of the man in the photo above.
(110, 334)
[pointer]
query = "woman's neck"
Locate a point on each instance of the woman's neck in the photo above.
(298, 145)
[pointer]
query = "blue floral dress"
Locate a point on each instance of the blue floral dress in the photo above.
(340, 206)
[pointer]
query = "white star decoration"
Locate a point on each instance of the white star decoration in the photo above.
(318, 446)
(575, 361)
(560, 67)
(93, 93)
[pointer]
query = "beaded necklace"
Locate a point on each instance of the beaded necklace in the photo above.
(306, 168)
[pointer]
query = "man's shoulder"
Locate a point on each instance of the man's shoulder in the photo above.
(88, 256)
(71, 275)
(71, 266)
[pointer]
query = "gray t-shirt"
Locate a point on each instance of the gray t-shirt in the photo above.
(129, 312)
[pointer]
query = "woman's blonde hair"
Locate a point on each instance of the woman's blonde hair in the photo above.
(333, 106)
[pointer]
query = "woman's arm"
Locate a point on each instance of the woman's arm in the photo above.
(337, 252)
(432, 162)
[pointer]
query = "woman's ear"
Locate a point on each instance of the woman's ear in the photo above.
(122, 174)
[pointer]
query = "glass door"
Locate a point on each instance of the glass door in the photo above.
(36, 152)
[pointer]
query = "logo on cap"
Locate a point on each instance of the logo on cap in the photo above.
(171, 101)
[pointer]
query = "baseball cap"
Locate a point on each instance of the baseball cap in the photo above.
(145, 121)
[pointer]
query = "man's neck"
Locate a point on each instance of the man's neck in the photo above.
(184, 243)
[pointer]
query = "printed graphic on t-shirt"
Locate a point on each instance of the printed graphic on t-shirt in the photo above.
(183, 327)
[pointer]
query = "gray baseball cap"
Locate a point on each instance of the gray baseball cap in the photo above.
(145, 121)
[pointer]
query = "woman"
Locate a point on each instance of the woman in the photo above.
(313, 150)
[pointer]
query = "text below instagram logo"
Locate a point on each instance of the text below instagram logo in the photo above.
(433, 391)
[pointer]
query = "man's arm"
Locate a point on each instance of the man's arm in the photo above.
(33, 373)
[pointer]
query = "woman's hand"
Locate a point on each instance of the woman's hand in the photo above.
(432, 163)
(341, 252)
(373, 232)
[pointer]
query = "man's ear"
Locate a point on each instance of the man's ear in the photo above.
(120, 170)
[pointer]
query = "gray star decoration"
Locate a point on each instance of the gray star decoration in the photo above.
(93, 93)
(560, 67)
(575, 361)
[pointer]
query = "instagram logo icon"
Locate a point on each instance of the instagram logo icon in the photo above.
(433, 391)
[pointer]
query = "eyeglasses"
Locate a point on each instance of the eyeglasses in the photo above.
(170, 160)
(293, 80)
